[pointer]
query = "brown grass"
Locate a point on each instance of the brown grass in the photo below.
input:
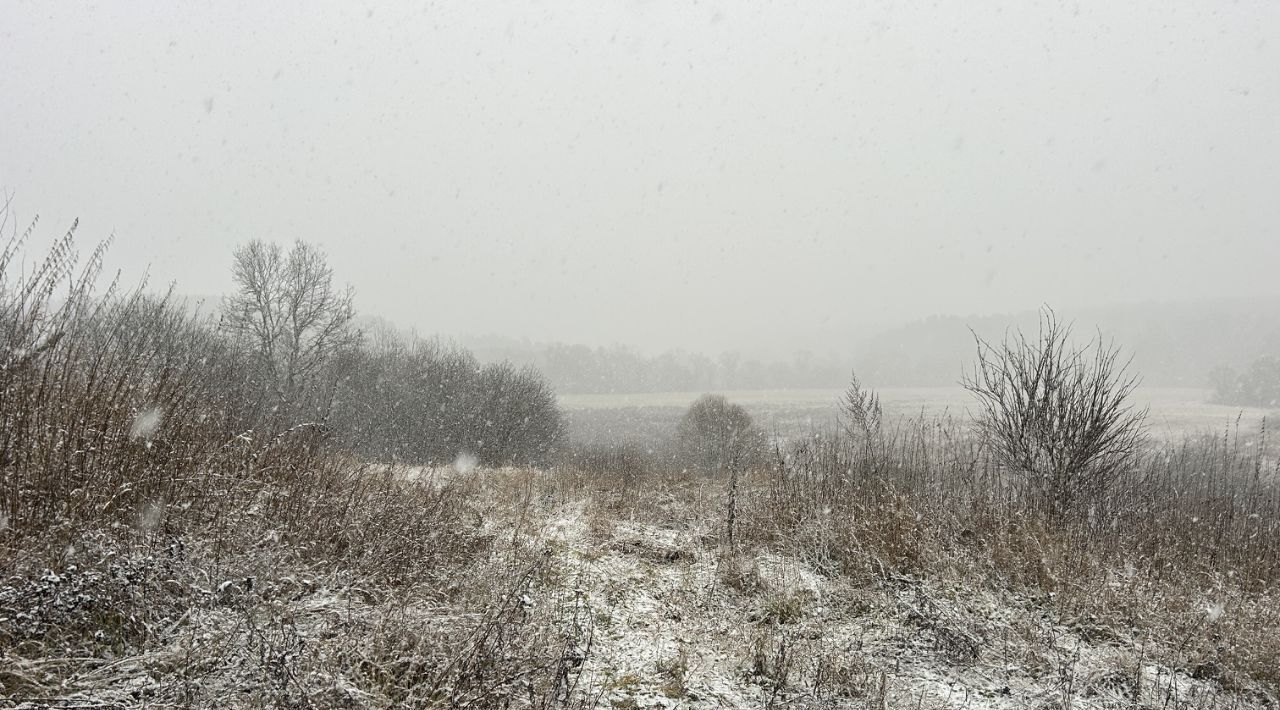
(203, 558)
(164, 542)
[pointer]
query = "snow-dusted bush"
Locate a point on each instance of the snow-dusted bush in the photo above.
(1056, 414)
(716, 435)
(420, 401)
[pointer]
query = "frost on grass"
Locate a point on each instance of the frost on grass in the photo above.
(585, 604)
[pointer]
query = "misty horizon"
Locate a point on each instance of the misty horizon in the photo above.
(660, 176)
(640, 354)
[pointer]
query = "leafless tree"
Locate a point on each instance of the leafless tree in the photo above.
(289, 312)
(1057, 414)
(716, 435)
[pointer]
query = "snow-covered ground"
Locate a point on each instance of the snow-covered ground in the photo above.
(637, 604)
(679, 624)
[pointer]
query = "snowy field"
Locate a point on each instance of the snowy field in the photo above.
(1173, 412)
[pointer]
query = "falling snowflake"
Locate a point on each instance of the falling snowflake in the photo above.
(464, 462)
(145, 423)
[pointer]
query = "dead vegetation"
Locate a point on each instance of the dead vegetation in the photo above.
(158, 548)
(913, 575)
(167, 541)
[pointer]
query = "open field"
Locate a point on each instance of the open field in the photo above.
(175, 534)
(527, 589)
(293, 306)
(1173, 412)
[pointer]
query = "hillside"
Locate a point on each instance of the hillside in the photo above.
(1173, 345)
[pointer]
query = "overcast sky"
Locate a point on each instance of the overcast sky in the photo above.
(664, 173)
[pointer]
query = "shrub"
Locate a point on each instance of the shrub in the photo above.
(108, 401)
(1057, 414)
(716, 435)
(860, 413)
(419, 401)
(515, 417)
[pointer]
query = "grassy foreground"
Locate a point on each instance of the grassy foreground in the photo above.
(905, 575)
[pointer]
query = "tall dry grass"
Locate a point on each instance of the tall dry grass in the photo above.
(166, 539)
(1186, 547)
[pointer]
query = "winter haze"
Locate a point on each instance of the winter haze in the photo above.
(643, 355)
(659, 174)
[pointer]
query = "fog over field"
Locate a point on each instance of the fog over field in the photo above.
(640, 354)
(648, 418)
(701, 176)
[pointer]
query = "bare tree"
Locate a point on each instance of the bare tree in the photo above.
(289, 312)
(716, 435)
(1057, 414)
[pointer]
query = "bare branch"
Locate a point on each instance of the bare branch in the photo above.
(1055, 414)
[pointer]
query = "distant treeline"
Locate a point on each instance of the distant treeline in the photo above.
(1257, 385)
(579, 369)
(1173, 345)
